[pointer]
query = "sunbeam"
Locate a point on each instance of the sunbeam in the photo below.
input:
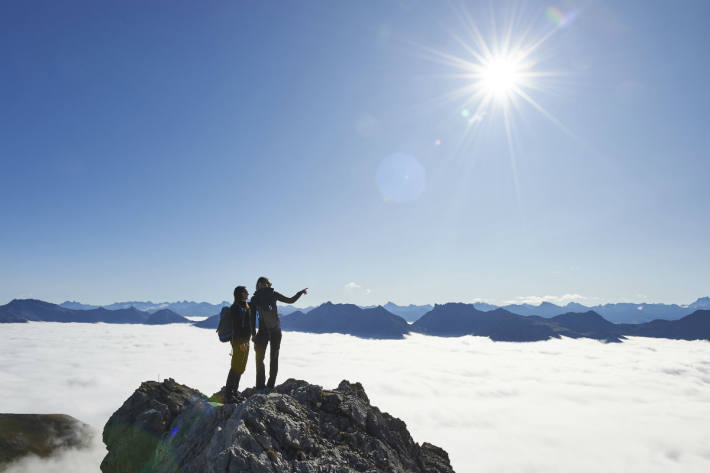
(501, 72)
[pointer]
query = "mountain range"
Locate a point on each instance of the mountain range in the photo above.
(373, 322)
(410, 312)
(619, 312)
(457, 319)
(25, 310)
(448, 320)
(185, 308)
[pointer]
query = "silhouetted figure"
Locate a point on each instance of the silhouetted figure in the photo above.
(243, 327)
(264, 303)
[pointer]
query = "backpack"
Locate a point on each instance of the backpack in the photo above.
(224, 329)
(265, 302)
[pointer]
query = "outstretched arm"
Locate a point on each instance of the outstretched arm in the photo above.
(290, 300)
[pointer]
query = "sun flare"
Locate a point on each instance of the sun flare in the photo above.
(501, 72)
(500, 76)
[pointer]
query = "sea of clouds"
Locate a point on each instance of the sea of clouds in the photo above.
(555, 406)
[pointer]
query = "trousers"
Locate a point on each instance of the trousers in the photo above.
(239, 357)
(265, 337)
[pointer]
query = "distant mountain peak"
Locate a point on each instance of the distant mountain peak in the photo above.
(700, 303)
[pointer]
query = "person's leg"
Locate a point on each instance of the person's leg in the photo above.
(274, 355)
(260, 352)
(229, 388)
(239, 363)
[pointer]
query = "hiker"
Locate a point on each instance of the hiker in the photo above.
(264, 303)
(243, 327)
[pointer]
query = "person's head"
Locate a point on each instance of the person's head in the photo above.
(262, 282)
(240, 294)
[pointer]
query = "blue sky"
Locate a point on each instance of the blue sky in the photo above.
(168, 151)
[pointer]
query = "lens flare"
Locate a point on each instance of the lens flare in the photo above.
(401, 178)
(555, 16)
(558, 18)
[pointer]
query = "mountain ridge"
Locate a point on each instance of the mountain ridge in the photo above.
(375, 322)
(34, 310)
(617, 312)
(184, 308)
(448, 320)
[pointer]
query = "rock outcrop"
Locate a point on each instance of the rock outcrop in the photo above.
(39, 434)
(299, 427)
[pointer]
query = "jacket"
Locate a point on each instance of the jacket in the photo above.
(243, 321)
(264, 303)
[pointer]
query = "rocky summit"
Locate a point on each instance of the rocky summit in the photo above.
(299, 427)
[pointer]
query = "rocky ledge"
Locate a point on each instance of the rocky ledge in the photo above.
(299, 427)
(39, 434)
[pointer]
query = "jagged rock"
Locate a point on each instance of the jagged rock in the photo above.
(40, 434)
(299, 427)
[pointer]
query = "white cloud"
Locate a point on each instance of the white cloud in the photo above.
(353, 286)
(559, 300)
(554, 406)
(67, 460)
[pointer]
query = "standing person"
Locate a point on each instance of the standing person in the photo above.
(264, 303)
(243, 327)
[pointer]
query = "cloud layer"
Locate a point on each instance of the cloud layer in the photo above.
(560, 405)
(564, 299)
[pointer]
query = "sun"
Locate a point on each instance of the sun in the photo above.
(501, 72)
(500, 77)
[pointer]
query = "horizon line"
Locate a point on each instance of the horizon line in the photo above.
(316, 304)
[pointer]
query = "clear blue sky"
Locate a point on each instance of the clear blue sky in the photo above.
(165, 151)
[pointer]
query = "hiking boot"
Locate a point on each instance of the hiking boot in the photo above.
(230, 390)
(239, 398)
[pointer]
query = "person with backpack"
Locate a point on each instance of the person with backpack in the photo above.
(243, 326)
(264, 303)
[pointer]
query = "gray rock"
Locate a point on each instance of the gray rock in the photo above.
(40, 434)
(299, 427)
